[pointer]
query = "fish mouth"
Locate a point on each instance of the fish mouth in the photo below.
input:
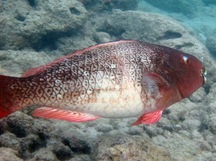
(203, 74)
(181, 93)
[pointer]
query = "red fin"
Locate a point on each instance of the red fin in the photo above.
(157, 78)
(42, 68)
(149, 118)
(72, 116)
(34, 71)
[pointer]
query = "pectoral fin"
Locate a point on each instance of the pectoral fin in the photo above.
(72, 116)
(162, 91)
(149, 118)
(155, 85)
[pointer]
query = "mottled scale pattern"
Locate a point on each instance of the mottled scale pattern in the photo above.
(105, 80)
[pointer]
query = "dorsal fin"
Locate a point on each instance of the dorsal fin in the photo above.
(42, 68)
(34, 71)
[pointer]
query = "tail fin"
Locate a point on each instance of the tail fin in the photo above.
(5, 103)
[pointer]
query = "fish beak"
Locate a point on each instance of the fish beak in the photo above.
(204, 73)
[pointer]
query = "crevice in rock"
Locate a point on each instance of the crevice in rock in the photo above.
(20, 18)
(207, 88)
(203, 127)
(48, 41)
(62, 153)
(170, 35)
(43, 136)
(184, 45)
(82, 148)
(17, 129)
(35, 145)
(75, 11)
(32, 3)
(112, 31)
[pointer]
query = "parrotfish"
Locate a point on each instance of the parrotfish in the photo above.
(121, 79)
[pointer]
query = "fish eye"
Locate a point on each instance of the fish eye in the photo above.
(185, 58)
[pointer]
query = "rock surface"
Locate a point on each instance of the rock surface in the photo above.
(108, 5)
(183, 6)
(211, 43)
(15, 63)
(125, 147)
(38, 23)
(33, 138)
(8, 154)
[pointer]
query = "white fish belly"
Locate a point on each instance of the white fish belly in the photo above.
(125, 103)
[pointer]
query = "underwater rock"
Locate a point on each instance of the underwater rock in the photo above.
(123, 147)
(8, 154)
(211, 124)
(199, 95)
(134, 130)
(44, 154)
(182, 130)
(108, 5)
(183, 146)
(15, 62)
(100, 37)
(39, 23)
(180, 6)
(104, 129)
(211, 43)
(10, 140)
(153, 28)
(124, 4)
(149, 27)
(33, 137)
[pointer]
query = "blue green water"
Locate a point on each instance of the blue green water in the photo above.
(198, 16)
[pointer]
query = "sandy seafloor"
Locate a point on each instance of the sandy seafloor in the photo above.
(35, 32)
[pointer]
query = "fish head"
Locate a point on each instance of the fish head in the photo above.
(185, 71)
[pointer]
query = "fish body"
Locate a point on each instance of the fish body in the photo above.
(113, 80)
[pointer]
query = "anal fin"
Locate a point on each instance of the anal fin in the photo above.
(59, 114)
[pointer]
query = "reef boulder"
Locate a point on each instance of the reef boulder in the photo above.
(38, 23)
(123, 147)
